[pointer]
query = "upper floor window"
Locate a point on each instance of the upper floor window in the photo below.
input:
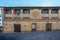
(8, 11)
(54, 11)
(26, 11)
(45, 11)
(17, 11)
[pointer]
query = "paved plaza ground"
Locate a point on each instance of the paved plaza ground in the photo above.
(51, 35)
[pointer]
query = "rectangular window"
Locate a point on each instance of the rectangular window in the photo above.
(26, 11)
(8, 11)
(45, 11)
(17, 11)
(54, 11)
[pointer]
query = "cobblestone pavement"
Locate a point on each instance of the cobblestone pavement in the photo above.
(52, 35)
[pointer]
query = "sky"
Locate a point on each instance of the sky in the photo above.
(28, 3)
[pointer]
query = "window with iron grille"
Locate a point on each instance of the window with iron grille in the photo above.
(45, 11)
(8, 11)
(54, 11)
(17, 11)
(26, 11)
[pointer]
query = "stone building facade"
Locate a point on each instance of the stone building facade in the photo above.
(24, 19)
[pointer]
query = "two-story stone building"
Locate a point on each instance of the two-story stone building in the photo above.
(31, 18)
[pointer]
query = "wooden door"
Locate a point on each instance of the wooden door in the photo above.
(17, 27)
(48, 26)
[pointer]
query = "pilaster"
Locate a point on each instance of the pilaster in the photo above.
(49, 13)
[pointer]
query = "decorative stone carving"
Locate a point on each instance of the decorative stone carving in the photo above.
(35, 13)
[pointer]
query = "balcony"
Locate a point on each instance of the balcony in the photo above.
(54, 15)
(8, 15)
(15, 15)
(17, 18)
(8, 19)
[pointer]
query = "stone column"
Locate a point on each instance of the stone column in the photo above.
(49, 13)
(59, 13)
(31, 13)
(21, 13)
(12, 14)
(40, 13)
